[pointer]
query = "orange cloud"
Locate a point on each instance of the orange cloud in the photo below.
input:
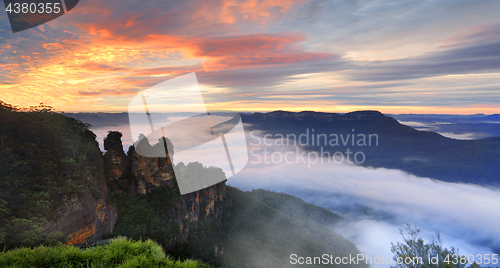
(235, 11)
(111, 49)
(240, 51)
(133, 19)
(120, 53)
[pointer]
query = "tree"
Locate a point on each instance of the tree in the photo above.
(416, 253)
(29, 233)
(4, 211)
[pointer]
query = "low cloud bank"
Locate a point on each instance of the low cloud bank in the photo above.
(465, 214)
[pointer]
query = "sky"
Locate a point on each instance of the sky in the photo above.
(440, 57)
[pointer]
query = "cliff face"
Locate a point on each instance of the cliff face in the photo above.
(144, 175)
(88, 215)
(150, 172)
(51, 174)
(84, 218)
(205, 206)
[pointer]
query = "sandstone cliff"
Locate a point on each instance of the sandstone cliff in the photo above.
(87, 216)
(84, 218)
(145, 176)
(52, 179)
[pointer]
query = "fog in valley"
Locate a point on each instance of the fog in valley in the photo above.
(376, 203)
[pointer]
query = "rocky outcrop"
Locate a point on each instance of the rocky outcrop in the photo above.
(150, 172)
(115, 156)
(147, 174)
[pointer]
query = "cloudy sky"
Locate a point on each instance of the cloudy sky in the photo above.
(262, 55)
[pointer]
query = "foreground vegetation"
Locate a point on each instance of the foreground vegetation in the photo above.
(415, 252)
(119, 253)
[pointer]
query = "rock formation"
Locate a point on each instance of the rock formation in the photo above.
(90, 216)
(145, 174)
(115, 156)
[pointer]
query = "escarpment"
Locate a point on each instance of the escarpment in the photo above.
(52, 179)
(87, 216)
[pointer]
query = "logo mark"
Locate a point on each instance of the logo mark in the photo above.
(26, 14)
(175, 110)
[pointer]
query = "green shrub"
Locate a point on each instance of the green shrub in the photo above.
(119, 253)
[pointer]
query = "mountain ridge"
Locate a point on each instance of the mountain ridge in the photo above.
(446, 159)
(443, 158)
